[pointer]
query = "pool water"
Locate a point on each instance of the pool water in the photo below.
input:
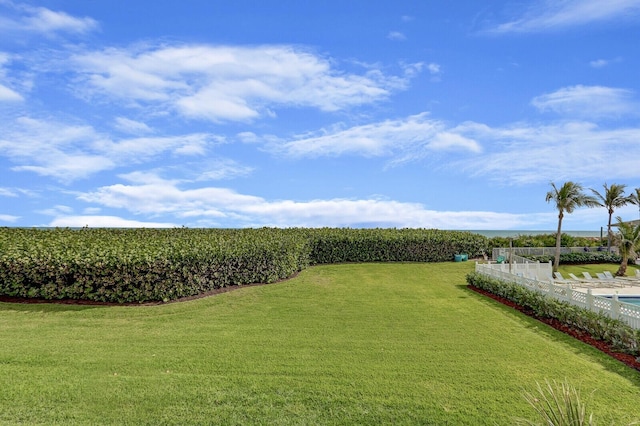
(633, 300)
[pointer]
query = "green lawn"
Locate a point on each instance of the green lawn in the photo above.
(598, 267)
(340, 344)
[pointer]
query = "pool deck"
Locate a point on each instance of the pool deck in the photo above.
(630, 289)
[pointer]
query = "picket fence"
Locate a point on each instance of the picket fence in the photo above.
(537, 277)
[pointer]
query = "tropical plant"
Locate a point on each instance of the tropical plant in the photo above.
(629, 243)
(558, 404)
(612, 199)
(567, 198)
(635, 199)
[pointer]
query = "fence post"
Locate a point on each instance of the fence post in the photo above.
(589, 300)
(615, 307)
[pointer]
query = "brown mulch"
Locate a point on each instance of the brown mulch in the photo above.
(627, 359)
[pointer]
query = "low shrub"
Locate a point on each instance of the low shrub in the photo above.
(580, 258)
(601, 327)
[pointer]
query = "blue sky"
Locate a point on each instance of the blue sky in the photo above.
(431, 114)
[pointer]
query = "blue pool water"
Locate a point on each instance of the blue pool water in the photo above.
(634, 300)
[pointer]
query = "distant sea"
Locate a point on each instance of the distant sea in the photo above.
(515, 233)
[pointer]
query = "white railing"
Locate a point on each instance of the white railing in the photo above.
(525, 276)
(520, 267)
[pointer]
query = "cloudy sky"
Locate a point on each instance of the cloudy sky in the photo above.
(435, 114)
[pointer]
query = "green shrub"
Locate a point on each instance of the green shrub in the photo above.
(339, 245)
(139, 265)
(601, 327)
(142, 264)
(580, 258)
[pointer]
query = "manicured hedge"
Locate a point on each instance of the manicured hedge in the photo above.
(599, 326)
(139, 265)
(331, 245)
(580, 258)
(142, 264)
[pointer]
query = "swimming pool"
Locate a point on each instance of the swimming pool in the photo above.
(633, 300)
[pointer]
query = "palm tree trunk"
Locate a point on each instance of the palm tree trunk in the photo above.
(609, 231)
(622, 270)
(556, 261)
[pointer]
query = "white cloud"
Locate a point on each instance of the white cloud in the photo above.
(599, 63)
(588, 102)
(224, 168)
(405, 139)
(6, 192)
(8, 95)
(221, 83)
(71, 151)
(152, 196)
(104, 222)
(573, 150)
(396, 36)
(434, 68)
(133, 127)
(546, 15)
(42, 21)
(8, 218)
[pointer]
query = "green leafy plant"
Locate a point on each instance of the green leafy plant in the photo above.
(615, 332)
(140, 265)
(557, 404)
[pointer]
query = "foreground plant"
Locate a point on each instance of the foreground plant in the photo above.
(558, 404)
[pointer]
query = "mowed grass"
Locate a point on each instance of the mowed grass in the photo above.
(339, 344)
(595, 268)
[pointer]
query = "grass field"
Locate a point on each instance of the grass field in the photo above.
(593, 269)
(339, 344)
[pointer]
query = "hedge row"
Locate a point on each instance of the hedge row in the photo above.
(143, 264)
(140, 265)
(331, 245)
(580, 258)
(601, 327)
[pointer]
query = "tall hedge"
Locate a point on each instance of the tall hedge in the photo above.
(139, 265)
(331, 245)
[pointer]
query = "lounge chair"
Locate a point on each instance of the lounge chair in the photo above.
(599, 282)
(557, 279)
(610, 279)
(630, 280)
(582, 282)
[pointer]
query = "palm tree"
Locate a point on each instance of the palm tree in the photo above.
(567, 199)
(612, 199)
(629, 243)
(635, 199)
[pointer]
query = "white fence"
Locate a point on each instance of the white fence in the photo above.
(519, 267)
(521, 274)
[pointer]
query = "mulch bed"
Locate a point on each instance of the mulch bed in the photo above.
(627, 359)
